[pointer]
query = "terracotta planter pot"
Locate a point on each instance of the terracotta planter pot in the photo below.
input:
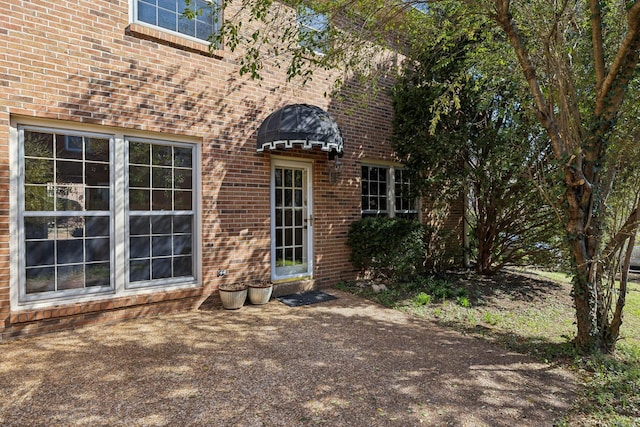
(233, 299)
(260, 294)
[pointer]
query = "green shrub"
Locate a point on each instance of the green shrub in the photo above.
(387, 247)
(421, 299)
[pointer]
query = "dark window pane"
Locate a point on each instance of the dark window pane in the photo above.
(139, 176)
(40, 280)
(38, 144)
(97, 149)
(70, 251)
(279, 238)
(161, 224)
(298, 236)
(69, 172)
(37, 228)
(161, 268)
(97, 199)
(96, 226)
(278, 197)
(298, 218)
(183, 200)
(183, 157)
(161, 246)
(139, 152)
(139, 225)
(182, 266)
(161, 200)
(298, 178)
(70, 277)
(298, 198)
(98, 275)
(97, 174)
(288, 180)
(40, 253)
(288, 218)
(288, 197)
(288, 237)
(139, 247)
(69, 147)
(383, 204)
(182, 245)
(182, 224)
(69, 226)
(139, 200)
(183, 178)
(161, 155)
(38, 171)
(139, 270)
(98, 250)
(298, 256)
(278, 173)
(161, 177)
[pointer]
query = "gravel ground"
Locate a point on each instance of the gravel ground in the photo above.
(346, 362)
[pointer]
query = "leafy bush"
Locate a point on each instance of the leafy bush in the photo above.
(421, 299)
(387, 247)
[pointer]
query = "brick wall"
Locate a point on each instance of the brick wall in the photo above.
(82, 62)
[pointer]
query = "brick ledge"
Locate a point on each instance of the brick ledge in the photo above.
(149, 33)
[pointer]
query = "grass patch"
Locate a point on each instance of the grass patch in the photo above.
(530, 312)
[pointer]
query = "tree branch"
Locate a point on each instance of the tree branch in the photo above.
(598, 43)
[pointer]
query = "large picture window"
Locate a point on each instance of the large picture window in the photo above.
(386, 192)
(169, 15)
(67, 215)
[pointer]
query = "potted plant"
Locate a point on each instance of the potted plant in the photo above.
(233, 295)
(260, 292)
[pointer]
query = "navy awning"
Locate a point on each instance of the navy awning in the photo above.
(300, 125)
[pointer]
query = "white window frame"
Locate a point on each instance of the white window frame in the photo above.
(133, 18)
(119, 215)
(391, 210)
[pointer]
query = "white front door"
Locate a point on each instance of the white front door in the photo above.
(291, 219)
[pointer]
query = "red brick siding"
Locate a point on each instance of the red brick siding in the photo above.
(83, 62)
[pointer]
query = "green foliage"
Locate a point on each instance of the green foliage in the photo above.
(463, 302)
(455, 134)
(421, 298)
(387, 247)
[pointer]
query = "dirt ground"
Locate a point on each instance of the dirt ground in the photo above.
(346, 362)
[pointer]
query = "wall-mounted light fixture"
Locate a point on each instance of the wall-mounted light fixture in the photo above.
(335, 170)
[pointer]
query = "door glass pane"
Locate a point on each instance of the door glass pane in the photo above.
(290, 245)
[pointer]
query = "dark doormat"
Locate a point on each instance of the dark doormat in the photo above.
(306, 298)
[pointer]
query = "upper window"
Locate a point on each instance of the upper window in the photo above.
(70, 201)
(312, 30)
(386, 192)
(170, 15)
